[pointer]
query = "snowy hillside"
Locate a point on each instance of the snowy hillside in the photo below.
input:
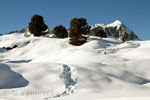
(46, 68)
(116, 30)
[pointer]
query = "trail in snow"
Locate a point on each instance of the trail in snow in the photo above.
(69, 77)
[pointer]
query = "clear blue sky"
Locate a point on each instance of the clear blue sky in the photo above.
(15, 14)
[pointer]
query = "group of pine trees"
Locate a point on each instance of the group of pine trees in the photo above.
(77, 32)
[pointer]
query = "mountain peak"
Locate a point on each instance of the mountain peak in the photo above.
(117, 23)
(116, 29)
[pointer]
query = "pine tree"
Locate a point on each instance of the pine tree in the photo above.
(101, 33)
(37, 25)
(77, 31)
(60, 31)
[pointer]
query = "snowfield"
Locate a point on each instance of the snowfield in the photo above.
(46, 68)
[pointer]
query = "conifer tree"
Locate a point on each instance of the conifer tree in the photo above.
(77, 31)
(60, 31)
(101, 33)
(37, 25)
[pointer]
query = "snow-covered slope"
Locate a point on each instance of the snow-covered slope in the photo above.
(117, 30)
(42, 68)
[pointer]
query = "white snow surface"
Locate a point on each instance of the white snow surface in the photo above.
(117, 23)
(47, 68)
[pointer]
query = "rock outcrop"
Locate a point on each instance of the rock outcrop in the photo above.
(117, 30)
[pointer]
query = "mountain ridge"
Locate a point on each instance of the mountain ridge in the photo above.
(116, 29)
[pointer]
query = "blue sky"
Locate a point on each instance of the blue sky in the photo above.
(15, 14)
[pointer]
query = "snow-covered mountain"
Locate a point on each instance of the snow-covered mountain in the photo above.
(48, 68)
(116, 29)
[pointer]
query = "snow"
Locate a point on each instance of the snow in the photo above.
(47, 68)
(97, 25)
(138, 53)
(10, 79)
(116, 23)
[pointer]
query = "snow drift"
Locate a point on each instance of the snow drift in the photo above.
(41, 68)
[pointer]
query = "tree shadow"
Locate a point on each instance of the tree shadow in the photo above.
(105, 41)
(129, 77)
